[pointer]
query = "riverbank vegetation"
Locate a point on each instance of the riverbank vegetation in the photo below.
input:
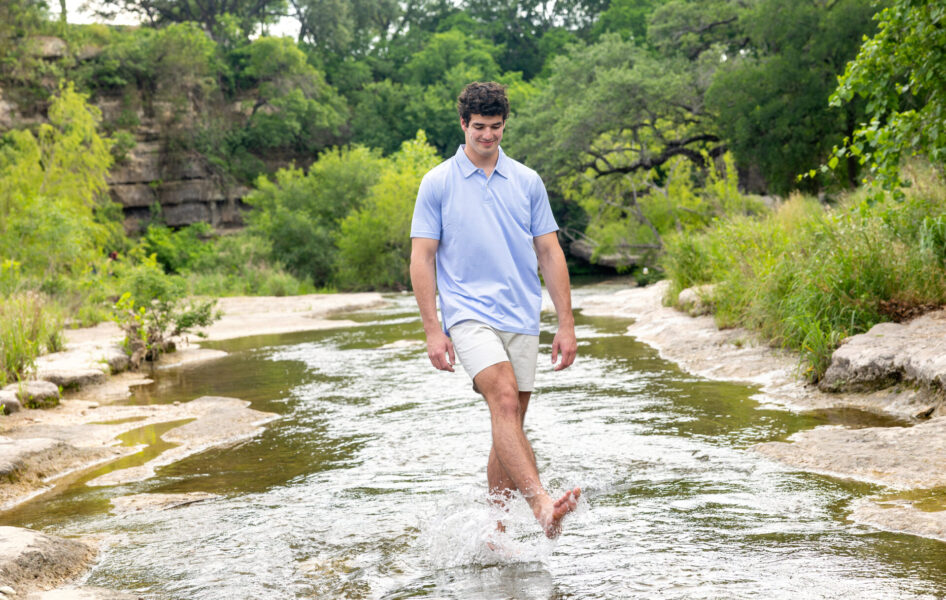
(805, 275)
(671, 135)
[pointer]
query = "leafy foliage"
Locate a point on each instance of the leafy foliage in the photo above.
(772, 100)
(299, 213)
(52, 191)
(374, 240)
(899, 74)
(247, 15)
(291, 104)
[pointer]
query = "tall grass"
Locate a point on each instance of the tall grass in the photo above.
(29, 326)
(806, 276)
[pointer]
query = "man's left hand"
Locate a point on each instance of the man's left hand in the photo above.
(566, 343)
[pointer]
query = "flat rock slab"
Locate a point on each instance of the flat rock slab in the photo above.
(38, 394)
(27, 464)
(898, 457)
(218, 421)
(155, 502)
(900, 517)
(696, 344)
(891, 352)
(33, 561)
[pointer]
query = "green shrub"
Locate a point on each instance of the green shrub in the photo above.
(298, 214)
(242, 264)
(29, 326)
(152, 309)
(807, 276)
(54, 207)
(178, 251)
(374, 242)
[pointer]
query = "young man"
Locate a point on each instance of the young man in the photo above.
(482, 225)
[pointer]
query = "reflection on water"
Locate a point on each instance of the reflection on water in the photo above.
(372, 486)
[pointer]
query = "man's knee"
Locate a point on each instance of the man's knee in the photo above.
(498, 385)
(505, 402)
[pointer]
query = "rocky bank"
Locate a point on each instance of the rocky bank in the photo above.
(43, 451)
(896, 369)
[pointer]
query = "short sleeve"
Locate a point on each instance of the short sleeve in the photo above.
(542, 219)
(427, 214)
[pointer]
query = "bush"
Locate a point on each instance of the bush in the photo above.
(298, 214)
(807, 276)
(178, 251)
(29, 326)
(242, 264)
(374, 242)
(152, 310)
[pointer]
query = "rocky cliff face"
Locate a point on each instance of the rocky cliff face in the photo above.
(178, 184)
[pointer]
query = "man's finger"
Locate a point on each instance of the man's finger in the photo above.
(554, 351)
(453, 358)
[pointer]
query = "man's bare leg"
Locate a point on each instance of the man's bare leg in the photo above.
(513, 452)
(501, 485)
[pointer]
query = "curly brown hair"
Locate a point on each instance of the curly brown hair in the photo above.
(483, 98)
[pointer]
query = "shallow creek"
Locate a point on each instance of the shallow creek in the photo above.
(372, 485)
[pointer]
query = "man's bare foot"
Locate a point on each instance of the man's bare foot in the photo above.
(552, 521)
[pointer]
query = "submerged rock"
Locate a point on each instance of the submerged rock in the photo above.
(900, 517)
(145, 502)
(899, 457)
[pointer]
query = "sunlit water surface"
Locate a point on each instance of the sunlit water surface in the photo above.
(372, 485)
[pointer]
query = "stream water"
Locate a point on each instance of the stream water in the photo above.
(372, 485)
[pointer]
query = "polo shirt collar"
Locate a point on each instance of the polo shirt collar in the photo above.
(467, 167)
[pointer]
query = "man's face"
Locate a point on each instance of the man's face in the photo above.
(483, 134)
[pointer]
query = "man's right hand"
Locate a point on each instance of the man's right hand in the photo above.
(440, 351)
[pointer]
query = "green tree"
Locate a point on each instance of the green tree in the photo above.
(343, 27)
(625, 17)
(615, 108)
(53, 190)
(290, 103)
(18, 20)
(899, 74)
(445, 51)
(519, 28)
(299, 213)
(772, 98)
(374, 241)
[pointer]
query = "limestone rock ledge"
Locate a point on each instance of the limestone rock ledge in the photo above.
(32, 561)
(913, 352)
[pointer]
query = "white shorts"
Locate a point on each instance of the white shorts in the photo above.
(479, 346)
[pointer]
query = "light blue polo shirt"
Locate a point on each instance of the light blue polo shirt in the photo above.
(487, 268)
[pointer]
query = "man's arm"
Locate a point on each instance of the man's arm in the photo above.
(424, 282)
(555, 272)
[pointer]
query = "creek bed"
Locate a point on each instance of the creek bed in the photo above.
(372, 485)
